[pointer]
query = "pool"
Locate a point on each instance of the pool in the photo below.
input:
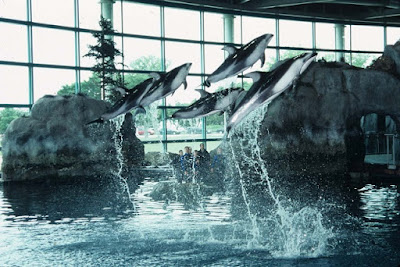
(70, 225)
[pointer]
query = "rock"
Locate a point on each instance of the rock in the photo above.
(132, 147)
(393, 52)
(54, 141)
(311, 132)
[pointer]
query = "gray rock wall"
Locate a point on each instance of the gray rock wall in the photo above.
(54, 141)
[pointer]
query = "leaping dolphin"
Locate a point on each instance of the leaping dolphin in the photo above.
(210, 103)
(167, 84)
(268, 85)
(130, 100)
(240, 59)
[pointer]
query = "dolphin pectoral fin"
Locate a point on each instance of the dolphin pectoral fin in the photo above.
(255, 76)
(184, 84)
(230, 49)
(99, 120)
(155, 76)
(203, 93)
(262, 59)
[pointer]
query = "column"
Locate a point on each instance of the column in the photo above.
(339, 41)
(228, 38)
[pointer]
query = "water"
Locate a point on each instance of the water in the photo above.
(66, 225)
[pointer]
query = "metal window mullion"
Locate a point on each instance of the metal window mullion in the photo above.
(277, 39)
(77, 48)
(384, 37)
(203, 71)
(30, 51)
(163, 68)
(122, 42)
(351, 46)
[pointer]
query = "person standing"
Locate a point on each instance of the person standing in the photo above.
(218, 168)
(204, 162)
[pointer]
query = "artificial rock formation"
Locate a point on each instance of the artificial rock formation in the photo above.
(312, 131)
(54, 141)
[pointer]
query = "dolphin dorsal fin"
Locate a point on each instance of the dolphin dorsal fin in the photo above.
(255, 76)
(156, 76)
(230, 49)
(203, 93)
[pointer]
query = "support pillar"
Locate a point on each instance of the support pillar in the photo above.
(107, 10)
(228, 38)
(339, 42)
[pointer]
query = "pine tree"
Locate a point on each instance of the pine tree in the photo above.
(105, 52)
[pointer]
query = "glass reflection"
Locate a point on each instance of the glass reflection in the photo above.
(59, 49)
(14, 81)
(253, 27)
(183, 24)
(180, 53)
(368, 38)
(53, 12)
(50, 81)
(14, 43)
(392, 35)
(141, 19)
(13, 9)
(295, 33)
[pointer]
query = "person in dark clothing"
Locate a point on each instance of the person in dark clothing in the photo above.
(186, 165)
(204, 164)
(218, 168)
(196, 167)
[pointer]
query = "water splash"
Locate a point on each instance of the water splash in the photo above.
(284, 232)
(118, 141)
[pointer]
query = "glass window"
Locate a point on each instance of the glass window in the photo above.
(215, 126)
(53, 12)
(89, 14)
(157, 147)
(295, 33)
(52, 46)
(117, 20)
(180, 53)
(180, 23)
(367, 38)
(8, 115)
(363, 60)
(188, 96)
(86, 39)
(214, 56)
(214, 27)
(13, 9)
(49, 81)
(14, 44)
(15, 85)
(237, 28)
(149, 125)
(393, 35)
(142, 54)
(327, 56)
(90, 85)
(175, 147)
(325, 35)
(285, 54)
(254, 27)
(141, 19)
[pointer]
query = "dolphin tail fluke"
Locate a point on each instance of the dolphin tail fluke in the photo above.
(99, 120)
(206, 83)
(140, 110)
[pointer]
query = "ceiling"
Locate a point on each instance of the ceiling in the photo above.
(355, 11)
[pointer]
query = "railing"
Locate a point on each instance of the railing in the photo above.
(391, 158)
(381, 148)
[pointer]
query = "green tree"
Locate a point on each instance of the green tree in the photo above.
(7, 115)
(91, 87)
(104, 52)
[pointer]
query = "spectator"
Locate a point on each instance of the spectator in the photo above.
(218, 167)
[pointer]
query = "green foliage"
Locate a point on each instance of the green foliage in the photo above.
(90, 88)
(104, 52)
(7, 115)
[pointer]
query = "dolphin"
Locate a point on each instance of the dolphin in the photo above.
(166, 84)
(131, 99)
(210, 103)
(268, 85)
(240, 59)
